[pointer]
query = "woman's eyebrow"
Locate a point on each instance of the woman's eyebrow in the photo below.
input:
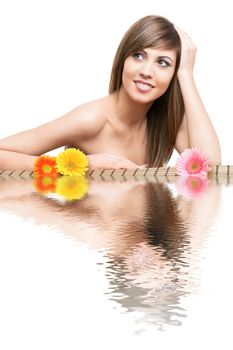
(159, 56)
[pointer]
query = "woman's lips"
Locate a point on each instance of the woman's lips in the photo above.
(144, 82)
(143, 87)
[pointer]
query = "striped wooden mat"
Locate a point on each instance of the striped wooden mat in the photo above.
(162, 173)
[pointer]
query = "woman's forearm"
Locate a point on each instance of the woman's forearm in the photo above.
(200, 129)
(13, 160)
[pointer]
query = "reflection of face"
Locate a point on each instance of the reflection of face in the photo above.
(153, 66)
(146, 266)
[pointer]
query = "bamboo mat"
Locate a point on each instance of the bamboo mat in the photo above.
(162, 174)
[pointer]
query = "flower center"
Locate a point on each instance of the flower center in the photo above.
(194, 166)
(195, 184)
(47, 180)
(71, 183)
(47, 168)
(70, 165)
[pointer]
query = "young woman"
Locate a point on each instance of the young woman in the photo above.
(153, 106)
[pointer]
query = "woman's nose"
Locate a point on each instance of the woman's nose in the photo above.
(147, 71)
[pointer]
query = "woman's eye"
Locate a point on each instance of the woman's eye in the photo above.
(167, 64)
(137, 53)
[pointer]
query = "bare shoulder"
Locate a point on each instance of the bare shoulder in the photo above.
(84, 121)
(96, 107)
(91, 114)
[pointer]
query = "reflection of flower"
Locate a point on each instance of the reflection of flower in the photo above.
(45, 165)
(192, 162)
(72, 187)
(45, 184)
(72, 162)
(192, 186)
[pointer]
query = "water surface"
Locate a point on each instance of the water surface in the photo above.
(131, 259)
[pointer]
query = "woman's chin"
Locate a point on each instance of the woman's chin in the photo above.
(141, 99)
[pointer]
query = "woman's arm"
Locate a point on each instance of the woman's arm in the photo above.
(13, 160)
(200, 130)
(20, 150)
(83, 121)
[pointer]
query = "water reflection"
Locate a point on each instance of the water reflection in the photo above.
(152, 237)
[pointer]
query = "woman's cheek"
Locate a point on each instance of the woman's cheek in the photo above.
(164, 80)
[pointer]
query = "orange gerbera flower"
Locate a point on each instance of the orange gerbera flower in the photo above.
(45, 165)
(45, 184)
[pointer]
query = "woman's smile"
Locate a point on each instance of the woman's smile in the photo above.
(144, 88)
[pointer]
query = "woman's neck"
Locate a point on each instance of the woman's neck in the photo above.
(130, 114)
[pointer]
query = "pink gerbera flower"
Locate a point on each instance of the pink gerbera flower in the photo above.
(192, 162)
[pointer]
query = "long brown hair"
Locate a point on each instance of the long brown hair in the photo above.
(166, 113)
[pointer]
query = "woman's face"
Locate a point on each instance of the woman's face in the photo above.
(155, 67)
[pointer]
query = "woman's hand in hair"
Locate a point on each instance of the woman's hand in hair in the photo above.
(188, 53)
(110, 161)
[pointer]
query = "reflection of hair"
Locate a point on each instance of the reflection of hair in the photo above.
(164, 226)
(146, 213)
(160, 223)
(166, 113)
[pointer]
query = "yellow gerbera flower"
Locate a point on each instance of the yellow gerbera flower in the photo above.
(72, 187)
(72, 161)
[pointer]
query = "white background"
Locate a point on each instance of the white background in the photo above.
(58, 54)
